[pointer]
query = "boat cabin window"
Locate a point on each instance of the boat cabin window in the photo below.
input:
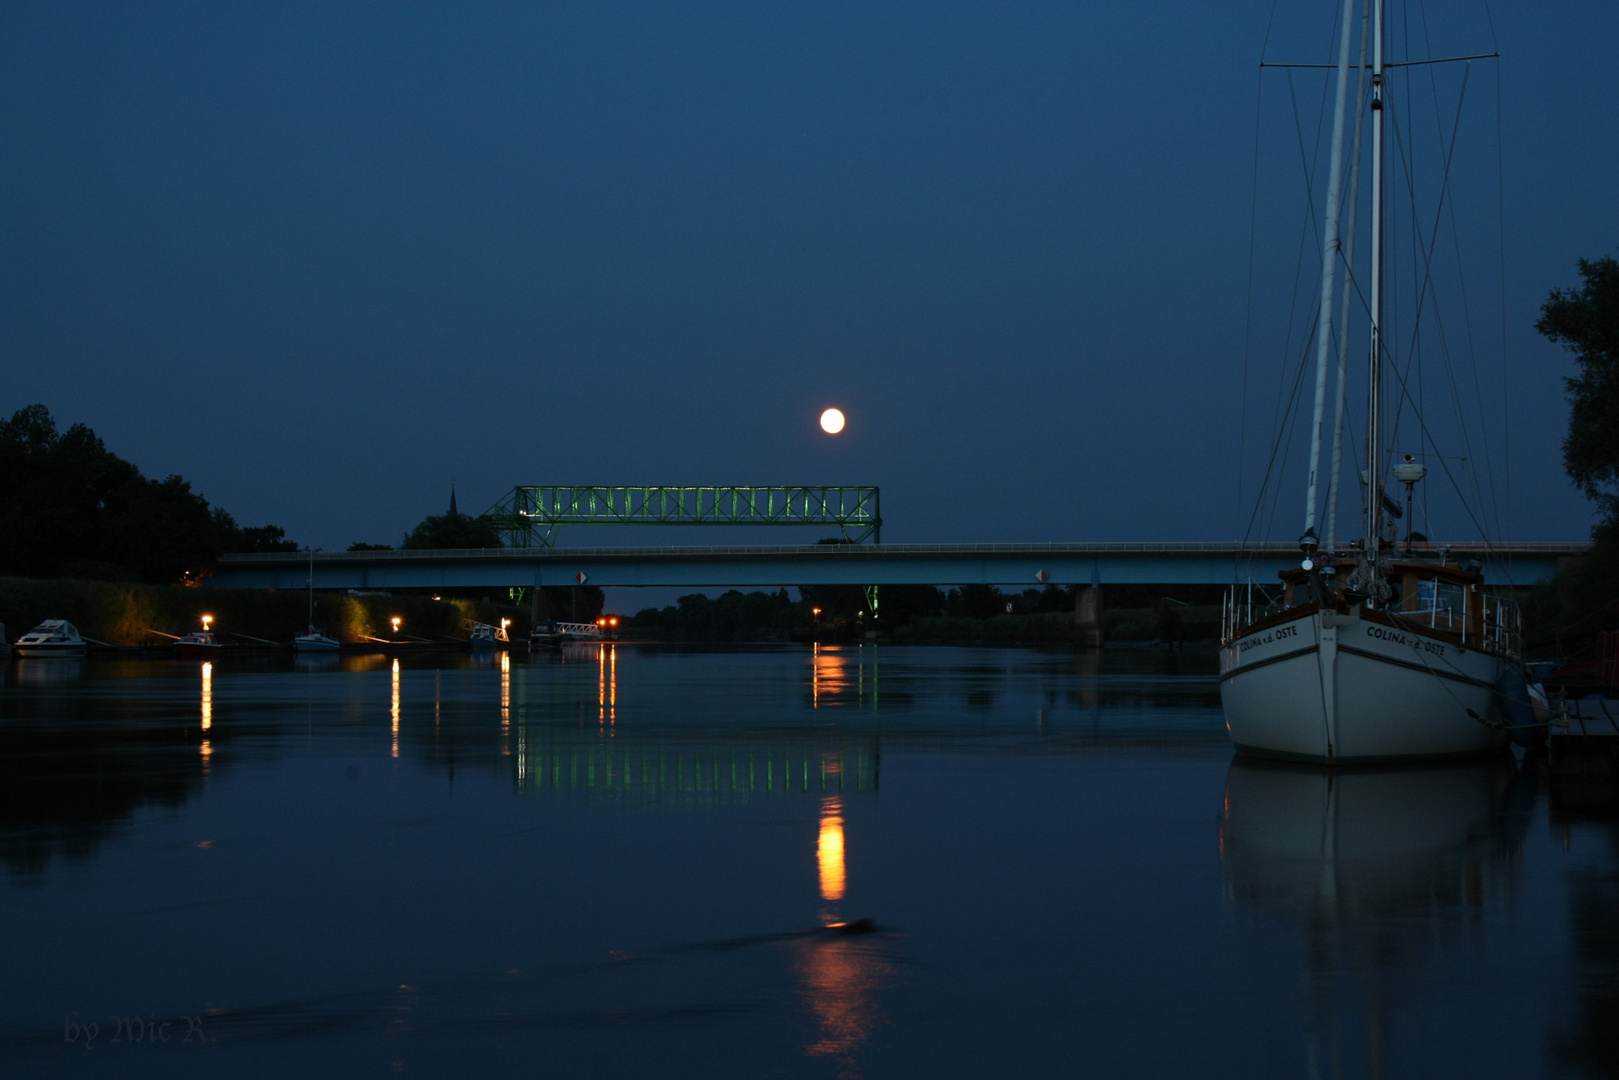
(1302, 592)
(1435, 602)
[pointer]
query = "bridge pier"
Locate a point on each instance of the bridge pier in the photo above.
(1088, 616)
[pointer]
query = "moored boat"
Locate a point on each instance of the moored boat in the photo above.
(314, 642)
(1427, 674)
(1373, 651)
(53, 637)
(197, 645)
(484, 636)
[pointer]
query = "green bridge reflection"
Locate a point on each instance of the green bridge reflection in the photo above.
(707, 765)
(668, 766)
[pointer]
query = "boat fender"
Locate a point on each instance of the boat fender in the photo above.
(1516, 706)
(1541, 702)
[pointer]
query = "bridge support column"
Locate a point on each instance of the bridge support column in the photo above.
(1088, 616)
(538, 609)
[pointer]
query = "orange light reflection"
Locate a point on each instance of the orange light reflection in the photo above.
(829, 849)
(207, 695)
(607, 685)
(826, 673)
(505, 690)
(394, 711)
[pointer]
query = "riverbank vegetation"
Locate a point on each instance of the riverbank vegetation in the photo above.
(923, 614)
(72, 508)
(1566, 617)
(132, 613)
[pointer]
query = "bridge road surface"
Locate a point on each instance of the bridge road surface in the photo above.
(1019, 565)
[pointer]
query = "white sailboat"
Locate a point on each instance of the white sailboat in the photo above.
(1372, 652)
(314, 641)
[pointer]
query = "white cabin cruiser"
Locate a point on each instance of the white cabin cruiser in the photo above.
(53, 637)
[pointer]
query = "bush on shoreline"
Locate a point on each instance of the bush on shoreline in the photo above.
(132, 614)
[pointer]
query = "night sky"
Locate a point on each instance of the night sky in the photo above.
(322, 259)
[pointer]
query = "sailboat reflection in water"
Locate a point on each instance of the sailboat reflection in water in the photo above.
(1378, 871)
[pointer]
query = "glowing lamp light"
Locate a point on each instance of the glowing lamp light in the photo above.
(832, 421)
(206, 619)
(505, 623)
(395, 620)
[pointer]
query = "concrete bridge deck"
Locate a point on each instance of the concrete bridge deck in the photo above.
(1019, 565)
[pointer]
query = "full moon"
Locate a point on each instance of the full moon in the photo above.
(832, 421)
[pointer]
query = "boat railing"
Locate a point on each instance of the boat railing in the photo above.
(1449, 608)
(1245, 604)
(1503, 626)
(1440, 605)
(1496, 629)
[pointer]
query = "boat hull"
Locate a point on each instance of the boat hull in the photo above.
(1339, 688)
(190, 650)
(314, 644)
(50, 648)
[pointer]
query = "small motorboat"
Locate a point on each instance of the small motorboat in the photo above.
(197, 645)
(53, 637)
(314, 642)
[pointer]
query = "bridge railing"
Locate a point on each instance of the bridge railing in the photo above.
(1286, 549)
(530, 515)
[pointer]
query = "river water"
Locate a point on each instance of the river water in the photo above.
(775, 861)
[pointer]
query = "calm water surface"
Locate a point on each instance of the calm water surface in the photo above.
(858, 861)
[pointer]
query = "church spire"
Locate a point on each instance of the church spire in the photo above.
(453, 511)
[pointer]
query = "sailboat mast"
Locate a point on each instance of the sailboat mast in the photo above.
(1329, 271)
(1374, 391)
(1333, 481)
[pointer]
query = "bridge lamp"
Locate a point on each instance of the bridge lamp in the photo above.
(832, 421)
(395, 620)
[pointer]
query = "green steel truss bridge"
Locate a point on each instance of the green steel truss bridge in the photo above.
(529, 516)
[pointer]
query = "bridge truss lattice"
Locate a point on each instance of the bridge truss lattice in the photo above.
(531, 515)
